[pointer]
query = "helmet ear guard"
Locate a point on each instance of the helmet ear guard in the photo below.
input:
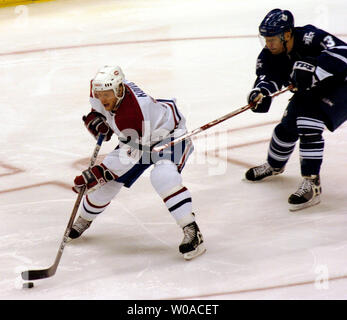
(109, 78)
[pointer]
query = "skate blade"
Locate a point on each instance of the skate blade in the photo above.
(199, 250)
(268, 178)
(297, 207)
(255, 181)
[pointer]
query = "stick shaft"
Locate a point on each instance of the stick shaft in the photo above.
(45, 273)
(215, 122)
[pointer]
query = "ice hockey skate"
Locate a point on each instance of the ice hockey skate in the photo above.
(261, 172)
(79, 227)
(307, 195)
(192, 244)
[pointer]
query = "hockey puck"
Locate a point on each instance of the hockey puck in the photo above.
(28, 285)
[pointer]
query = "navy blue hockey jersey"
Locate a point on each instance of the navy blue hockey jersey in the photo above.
(273, 71)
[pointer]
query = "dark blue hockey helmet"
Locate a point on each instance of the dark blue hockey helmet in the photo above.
(276, 22)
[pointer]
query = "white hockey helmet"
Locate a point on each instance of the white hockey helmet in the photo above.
(107, 78)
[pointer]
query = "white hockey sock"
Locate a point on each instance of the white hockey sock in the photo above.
(89, 210)
(179, 203)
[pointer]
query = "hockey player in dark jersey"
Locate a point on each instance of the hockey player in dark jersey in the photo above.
(315, 63)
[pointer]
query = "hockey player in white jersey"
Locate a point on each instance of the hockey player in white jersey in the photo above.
(140, 122)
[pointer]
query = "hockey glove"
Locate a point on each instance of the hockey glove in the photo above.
(303, 74)
(260, 100)
(96, 123)
(93, 178)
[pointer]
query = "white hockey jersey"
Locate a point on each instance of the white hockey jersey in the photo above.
(145, 119)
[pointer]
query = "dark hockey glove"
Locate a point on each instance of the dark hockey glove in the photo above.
(303, 74)
(93, 178)
(96, 123)
(260, 100)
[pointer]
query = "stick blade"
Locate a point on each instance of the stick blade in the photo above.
(37, 274)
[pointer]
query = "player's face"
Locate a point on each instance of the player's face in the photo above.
(107, 98)
(274, 44)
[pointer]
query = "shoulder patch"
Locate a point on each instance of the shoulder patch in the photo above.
(308, 37)
(259, 64)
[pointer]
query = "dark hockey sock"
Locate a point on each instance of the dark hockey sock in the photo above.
(311, 154)
(311, 145)
(281, 147)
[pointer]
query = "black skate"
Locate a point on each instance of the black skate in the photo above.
(192, 244)
(307, 195)
(261, 172)
(79, 227)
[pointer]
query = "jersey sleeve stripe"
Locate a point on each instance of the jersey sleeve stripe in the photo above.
(338, 56)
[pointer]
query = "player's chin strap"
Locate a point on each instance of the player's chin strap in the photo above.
(119, 102)
(285, 42)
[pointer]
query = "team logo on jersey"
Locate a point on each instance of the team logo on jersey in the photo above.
(259, 64)
(116, 73)
(308, 37)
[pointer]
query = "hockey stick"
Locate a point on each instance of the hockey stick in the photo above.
(215, 122)
(49, 272)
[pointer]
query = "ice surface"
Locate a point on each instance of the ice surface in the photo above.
(203, 53)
